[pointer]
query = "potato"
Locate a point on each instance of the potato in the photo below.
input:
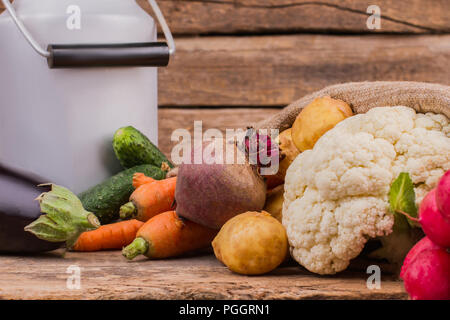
(288, 152)
(251, 243)
(317, 118)
(274, 202)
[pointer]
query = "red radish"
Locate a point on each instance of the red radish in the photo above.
(433, 223)
(426, 272)
(443, 196)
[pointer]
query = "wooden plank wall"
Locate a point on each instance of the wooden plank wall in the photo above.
(239, 60)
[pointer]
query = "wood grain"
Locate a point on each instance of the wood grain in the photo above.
(226, 118)
(106, 275)
(275, 70)
(263, 16)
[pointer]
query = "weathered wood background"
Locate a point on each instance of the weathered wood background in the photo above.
(239, 60)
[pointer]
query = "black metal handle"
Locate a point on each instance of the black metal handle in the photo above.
(152, 54)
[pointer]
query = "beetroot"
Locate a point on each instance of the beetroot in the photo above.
(443, 196)
(433, 223)
(426, 272)
(261, 146)
(212, 193)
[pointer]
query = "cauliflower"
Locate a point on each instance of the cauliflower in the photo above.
(336, 195)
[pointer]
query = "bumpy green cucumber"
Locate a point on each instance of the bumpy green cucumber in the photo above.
(105, 199)
(133, 148)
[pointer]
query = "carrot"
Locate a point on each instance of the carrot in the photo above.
(150, 199)
(111, 236)
(166, 235)
(140, 179)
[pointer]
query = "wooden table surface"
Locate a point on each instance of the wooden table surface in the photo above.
(107, 275)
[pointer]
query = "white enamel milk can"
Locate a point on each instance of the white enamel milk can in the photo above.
(71, 73)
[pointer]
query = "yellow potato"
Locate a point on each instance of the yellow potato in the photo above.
(251, 243)
(317, 118)
(289, 152)
(274, 202)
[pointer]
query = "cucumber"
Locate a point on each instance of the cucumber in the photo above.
(133, 148)
(105, 199)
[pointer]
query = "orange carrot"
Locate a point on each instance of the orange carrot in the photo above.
(150, 199)
(111, 236)
(140, 179)
(166, 235)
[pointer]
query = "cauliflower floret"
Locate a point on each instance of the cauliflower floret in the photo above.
(336, 195)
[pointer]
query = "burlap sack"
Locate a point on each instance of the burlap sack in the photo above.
(362, 96)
